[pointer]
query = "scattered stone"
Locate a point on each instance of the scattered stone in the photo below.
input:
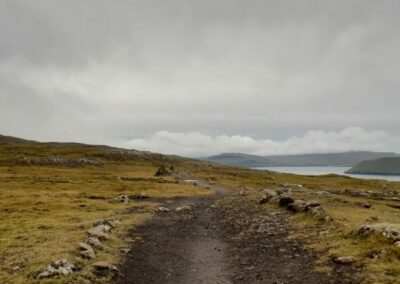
(288, 185)
(242, 192)
(104, 266)
(323, 193)
(162, 171)
(122, 198)
(311, 204)
(87, 251)
(185, 208)
(125, 250)
(58, 268)
(100, 232)
(319, 213)
(110, 224)
(285, 200)
(268, 194)
(344, 259)
(389, 231)
(162, 209)
(365, 205)
(94, 242)
(15, 269)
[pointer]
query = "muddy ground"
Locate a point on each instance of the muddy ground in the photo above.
(224, 239)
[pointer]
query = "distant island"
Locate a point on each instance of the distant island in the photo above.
(346, 159)
(383, 166)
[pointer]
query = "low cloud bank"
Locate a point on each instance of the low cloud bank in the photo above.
(196, 144)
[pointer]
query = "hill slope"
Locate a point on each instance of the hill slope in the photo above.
(346, 159)
(383, 166)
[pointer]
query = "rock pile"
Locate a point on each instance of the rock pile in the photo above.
(162, 171)
(295, 205)
(389, 231)
(267, 195)
(123, 198)
(59, 268)
(58, 161)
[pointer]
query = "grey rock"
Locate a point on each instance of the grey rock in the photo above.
(344, 259)
(87, 251)
(389, 231)
(94, 242)
(99, 232)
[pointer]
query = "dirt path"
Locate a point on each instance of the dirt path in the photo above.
(234, 242)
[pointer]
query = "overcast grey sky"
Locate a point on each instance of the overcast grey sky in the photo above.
(202, 77)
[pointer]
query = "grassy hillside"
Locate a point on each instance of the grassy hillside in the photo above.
(48, 200)
(384, 166)
(346, 159)
(51, 193)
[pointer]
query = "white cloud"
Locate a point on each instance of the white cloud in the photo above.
(314, 141)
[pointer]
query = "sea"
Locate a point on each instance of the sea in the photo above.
(317, 171)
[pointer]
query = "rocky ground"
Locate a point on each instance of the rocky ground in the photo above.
(226, 238)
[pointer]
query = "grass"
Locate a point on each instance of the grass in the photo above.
(45, 211)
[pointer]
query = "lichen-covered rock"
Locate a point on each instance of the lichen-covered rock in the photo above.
(100, 232)
(185, 208)
(122, 198)
(104, 267)
(87, 251)
(389, 231)
(267, 195)
(344, 259)
(59, 268)
(94, 242)
(242, 192)
(162, 209)
(297, 205)
(319, 213)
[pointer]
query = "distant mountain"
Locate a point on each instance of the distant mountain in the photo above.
(241, 160)
(347, 159)
(383, 166)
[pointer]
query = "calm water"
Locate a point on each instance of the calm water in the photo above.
(317, 171)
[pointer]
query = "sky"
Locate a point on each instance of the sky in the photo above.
(198, 78)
